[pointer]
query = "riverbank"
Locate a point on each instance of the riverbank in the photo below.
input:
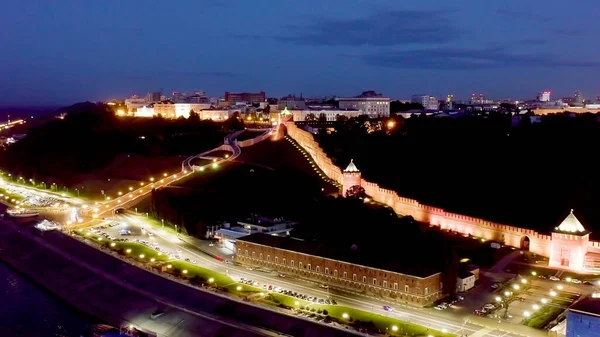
(120, 294)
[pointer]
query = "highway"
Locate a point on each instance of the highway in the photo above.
(169, 242)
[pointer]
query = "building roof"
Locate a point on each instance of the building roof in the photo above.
(349, 253)
(589, 305)
(571, 225)
(351, 167)
(463, 274)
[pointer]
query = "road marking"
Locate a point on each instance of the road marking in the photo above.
(481, 332)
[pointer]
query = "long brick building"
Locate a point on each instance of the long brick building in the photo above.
(347, 267)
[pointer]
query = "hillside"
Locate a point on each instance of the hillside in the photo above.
(90, 138)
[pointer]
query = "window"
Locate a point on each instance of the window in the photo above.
(395, 286)
(308, 266)
(283, 261)
(426, 291)
(300, 265)
(335, 272)
(364, 279)
(374, 281)
(292, 263)
(318, 269)
(327, 271)
(246, 252)
(354, 278)
(276, 259)
(385, 284)
(406, 289)
(345, 275)
(269, 258)
(253, 255)
(260, 256)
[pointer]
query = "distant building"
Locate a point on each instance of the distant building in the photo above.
(291, 102)
(183, 109)
(572, 249)
(368, 103)
(228, 235)
(449, 102)
(165, 109)
(544, 96)
(153, 97)
(428, 102)
(145, 111)
(579, 99)
(134, 102)
(583, 318)
(479, 100)
(232, 98)
(329, 115)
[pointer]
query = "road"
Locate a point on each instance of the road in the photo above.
(169, 242)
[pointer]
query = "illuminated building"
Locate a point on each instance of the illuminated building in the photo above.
(368, 103)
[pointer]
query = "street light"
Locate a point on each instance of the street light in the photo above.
(163, 221)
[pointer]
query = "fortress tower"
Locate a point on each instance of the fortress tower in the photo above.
(351, 177)
(569, 247)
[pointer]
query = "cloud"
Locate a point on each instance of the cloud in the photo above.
(533, 41)
(519, 15)
(466, 59)
(388, 28)
(177, 74)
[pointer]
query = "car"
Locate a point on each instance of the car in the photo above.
(553, 278)
(282, 275)
(324, 286)
(439, 308)
(495, 286)
(489, 306)
(576, 281)
(211, 244)
(387, 308)
(588, 283)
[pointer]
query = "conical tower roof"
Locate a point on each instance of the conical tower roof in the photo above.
(351, 167)
(571, 225)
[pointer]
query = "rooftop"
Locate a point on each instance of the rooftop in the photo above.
(589, 305)
(351, 167)
(571, 225)
(343, 252)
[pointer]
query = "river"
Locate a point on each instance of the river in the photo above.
(28, 310)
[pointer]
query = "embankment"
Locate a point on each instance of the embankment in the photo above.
(119, 293)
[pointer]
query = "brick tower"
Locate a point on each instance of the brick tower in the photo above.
(351, 177)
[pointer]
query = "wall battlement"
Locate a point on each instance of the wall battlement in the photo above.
(539, 243)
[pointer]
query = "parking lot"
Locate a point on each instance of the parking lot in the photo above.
(533, 300)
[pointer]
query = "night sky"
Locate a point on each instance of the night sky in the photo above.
(63, 51)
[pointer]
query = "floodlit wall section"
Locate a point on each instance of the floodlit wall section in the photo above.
(509, 235)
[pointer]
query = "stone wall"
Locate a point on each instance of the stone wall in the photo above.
(255, 140)
(510, 235)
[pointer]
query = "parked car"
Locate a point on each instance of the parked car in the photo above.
(387, 308)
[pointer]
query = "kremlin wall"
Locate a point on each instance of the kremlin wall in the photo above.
(574, 251)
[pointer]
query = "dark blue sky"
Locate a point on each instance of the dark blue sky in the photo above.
(72, 50)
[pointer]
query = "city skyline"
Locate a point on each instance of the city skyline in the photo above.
(71, 51)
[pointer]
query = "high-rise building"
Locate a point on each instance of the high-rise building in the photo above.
(428, 102)
(449, 102)
(368, 103)
(579, 98)
(544, 96)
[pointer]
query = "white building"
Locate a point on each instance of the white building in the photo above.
(134, 102)
(217, 114)
(144, 111)
(368, 103)
(428, 102)
(543, 96)
(330, 115)
(183, 109)
(465, 281)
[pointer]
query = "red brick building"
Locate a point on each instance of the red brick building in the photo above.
(233, 97)
(347, 268)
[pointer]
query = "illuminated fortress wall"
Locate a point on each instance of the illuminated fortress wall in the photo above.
(510, 235)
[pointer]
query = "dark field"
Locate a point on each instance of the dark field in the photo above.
(272, 178)
(219, 153)
(249, 135)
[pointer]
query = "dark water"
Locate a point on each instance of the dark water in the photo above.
(29, 310)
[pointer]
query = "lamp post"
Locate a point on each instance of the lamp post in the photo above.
(163, 222)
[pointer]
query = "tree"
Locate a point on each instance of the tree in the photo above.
(322, 117)
(341, 118)
(194, 116)
(310, 117)
(267, 110)
(356, 192)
